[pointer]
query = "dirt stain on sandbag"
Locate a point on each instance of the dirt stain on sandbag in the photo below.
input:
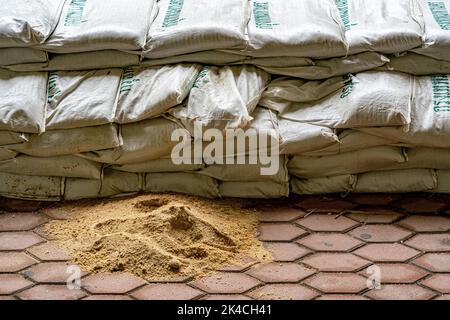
(158, 237)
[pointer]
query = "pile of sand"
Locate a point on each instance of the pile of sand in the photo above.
(158, 236)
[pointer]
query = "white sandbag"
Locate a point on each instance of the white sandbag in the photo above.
(246, 172)
(443, 177)
(351, 140)
(322, 69)
(211, 57)
(9, 137)
(255, 190)
(62, 166)
(90, 25)
(397, 181)
(346, 163)
(416, 64)
(222, 98)
(158, 166)
(185, 26)
(324, 185)
(22, 101)
(430, 115)
(368, 99)
(12, 56)
(436, 42)
(149, 92)
(426, 158)
(142, 141)
(307, 28)
(6, 154)
(31, 187)
(71, 141)
(298, 138)
(81, 61)
(27, 22)
(385, 26)
(81, 98)
(187, 183)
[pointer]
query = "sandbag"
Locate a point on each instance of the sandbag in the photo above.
(211, 57)
(346, 163)
(416, 64)
(307, 28)
(6, 154)
(186, 183)
(31, 187)
(385, 26)
(71, 141)
(397, 181)
(22, 101)
(158, 166)
(351, 140)
(222, 98)
(436, 42)
(81, 98)
(298, 138)
(443, 185)
(255, 190)
(9, 137)
(12, 56)
(27, 22)
(90, 25)
(325, 185)
(62, 166)
(368, 99)
(321, 69)
(142, 141)
(146, 93)
(81, 61)
(426, 158)
(430, 115)
(185, 26)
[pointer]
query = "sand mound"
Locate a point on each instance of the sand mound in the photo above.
(158, 236)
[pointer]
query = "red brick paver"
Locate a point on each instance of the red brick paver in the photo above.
(401, 292)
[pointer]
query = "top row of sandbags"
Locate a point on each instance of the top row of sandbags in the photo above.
(259, 28)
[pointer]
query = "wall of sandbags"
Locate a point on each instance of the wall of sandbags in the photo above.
(356, 91)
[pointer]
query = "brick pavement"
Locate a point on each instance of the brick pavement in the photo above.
(323, 249)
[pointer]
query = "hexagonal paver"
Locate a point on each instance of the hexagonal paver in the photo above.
(18, 240)
(397, 273)
(111, 283)
(341, 297)
(401, 292)
(221, 297)
(244, 263)
(335, 262)
(280, 272)
(58, 212)
(372, 199)
(21, 221)
(429, 223)
(107, 297)
(435, 262)
(279, 232)
(277, 214)
(329, 242)
(5, 298)
(375, 216)
(326, 222)
(50, 272)
(438, 282)
(430, 242)
(337, 282)
(10, 283)
(386, 252)
(226, 283)
(423, 205)
(51, 292)
(15, 261)
(40, 231)
(380, 233)
(322, 204)
(49, 251)
(443, 297)
(285, 251)
(283, 292)
(169, 291)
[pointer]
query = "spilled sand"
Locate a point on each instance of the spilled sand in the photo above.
(158, 237)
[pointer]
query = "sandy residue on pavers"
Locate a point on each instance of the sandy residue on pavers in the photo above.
(158, 236)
